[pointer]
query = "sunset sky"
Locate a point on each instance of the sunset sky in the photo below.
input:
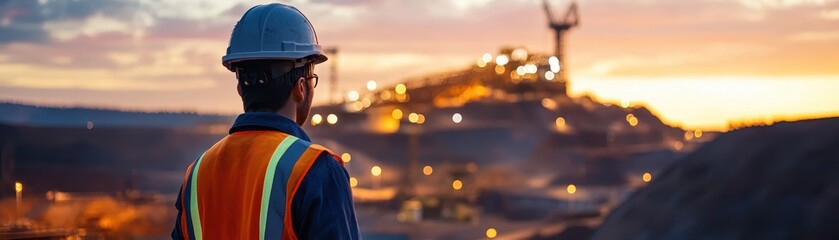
(696, 63)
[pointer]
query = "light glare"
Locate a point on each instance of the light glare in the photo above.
(502, 60)
(371, 85)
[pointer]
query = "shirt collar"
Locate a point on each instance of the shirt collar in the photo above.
(267, 121)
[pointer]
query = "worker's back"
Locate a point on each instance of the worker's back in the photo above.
(243, 187)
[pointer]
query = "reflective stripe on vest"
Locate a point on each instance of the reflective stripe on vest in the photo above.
(288, 164)
(268, 182)
(195, 216)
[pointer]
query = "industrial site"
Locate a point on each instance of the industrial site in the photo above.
(495, 150)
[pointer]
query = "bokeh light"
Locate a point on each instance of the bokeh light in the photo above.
(332, 118)
(549, 76)
(396, 114)
(316, 119)
(502, 60)
(491, 233)
(400, 89)
(549, 104)
(520, 54)
(481, 63)
(560, 122)
(353, 182)
(487, 57)
(427, 170)
(413, 117)
(631, 119)
(376, 171)
(357, 106)
(352, 95)
(457, 184)
(500, 69)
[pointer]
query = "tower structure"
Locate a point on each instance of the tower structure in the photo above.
(560, 27)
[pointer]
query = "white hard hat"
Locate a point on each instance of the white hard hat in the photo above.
(273, 31)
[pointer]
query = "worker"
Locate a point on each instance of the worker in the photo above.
(265, 179)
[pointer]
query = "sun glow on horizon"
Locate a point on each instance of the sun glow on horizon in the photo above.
(712, 103)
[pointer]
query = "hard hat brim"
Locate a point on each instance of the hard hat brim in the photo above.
(314, 57)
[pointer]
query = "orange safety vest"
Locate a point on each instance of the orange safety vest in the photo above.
(243, 186)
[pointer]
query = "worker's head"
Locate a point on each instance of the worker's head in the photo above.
(273, 50)
(276, 86)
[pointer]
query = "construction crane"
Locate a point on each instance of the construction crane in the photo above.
(560, 26)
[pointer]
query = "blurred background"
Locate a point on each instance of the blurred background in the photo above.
(457, 119)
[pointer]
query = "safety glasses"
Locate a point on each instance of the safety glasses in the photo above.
(313, 79)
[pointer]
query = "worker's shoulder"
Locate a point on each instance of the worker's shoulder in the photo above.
(323, 164)
(327, 166)
(319, 147)
(324, 154)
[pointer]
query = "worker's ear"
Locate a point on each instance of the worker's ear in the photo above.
(239, 89)
(298, 92)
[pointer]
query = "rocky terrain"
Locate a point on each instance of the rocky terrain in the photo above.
(773, 182)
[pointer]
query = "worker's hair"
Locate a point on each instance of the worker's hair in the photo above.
(266, 84)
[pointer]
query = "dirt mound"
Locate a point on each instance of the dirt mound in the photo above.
(774, 182)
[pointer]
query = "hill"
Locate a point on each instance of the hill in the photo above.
(773, 182)
(21, 114)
